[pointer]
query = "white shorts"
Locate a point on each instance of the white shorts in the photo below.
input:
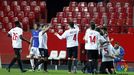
(34, 51)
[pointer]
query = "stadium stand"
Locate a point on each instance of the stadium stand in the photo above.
(116, 16)
(27, 11)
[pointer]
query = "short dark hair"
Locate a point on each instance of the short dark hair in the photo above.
(71, 24)
(17, 24)
(92, 25)
(117, 43)
(99, 30)
(105, 28)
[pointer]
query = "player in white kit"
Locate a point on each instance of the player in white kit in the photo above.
(16, 36)
(71, 36)
(92, 39)
(43, 49)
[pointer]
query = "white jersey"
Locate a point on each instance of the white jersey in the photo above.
(42, 40)
(107, 51)
(117, 51)
(92, 39)
(15, 34)
(71, 36)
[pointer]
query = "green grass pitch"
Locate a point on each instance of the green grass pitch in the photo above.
(51, 72)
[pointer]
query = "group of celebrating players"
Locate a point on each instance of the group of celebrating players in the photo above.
(97, 43)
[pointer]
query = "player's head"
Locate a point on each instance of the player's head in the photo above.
(116, 45)
(92, 24)
(104, 29)
(71, 24)
(17, 24)
(36, 26)
(44, 27)
(99, 30)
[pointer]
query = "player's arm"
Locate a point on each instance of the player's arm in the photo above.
(31, 39)
(46, 28)
(24, 39)
(86, 37)
(61, 36)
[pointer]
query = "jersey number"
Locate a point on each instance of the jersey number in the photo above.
(15, 36)
(92, 39)
(74, 38)
(106, 50)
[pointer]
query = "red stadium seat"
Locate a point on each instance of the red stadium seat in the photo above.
(9, 26)
(100, 4)
(86, 15)
(131, 30)
(23, 4)
(75, 20)
(76, 9)
(51, 30)
(14, 19)
(101, 9)
(77, 15)
(54, 21)
(118, 4)
(92, 9)
(13, 4)
(10, 15)
(6, 9)
(17, 9)
(5, 21)
(111, 9)
(66, 9)
(85, 21)
(129, 22)
(1, 15)
(109, 4)
(91, 4)
(68, 14)
(60, 15)
(84, 9)
(126, 5)
(64, 21)
(82, 4)
(43, 6)
(33, 4)
(112, 22)
(73, 4)
(31, 16)
(25, 23)
(123, 15)
(5, 3)
(21, 15)
(27, 10)
(37, 9)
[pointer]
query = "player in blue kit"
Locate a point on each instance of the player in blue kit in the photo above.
(34, 51)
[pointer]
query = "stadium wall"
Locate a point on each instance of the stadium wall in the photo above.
(6, 50)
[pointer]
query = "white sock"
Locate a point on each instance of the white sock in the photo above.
(32, 63)
(39, 67)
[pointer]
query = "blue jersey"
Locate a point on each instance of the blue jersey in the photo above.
(35, 38)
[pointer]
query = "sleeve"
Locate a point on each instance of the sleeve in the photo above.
(102, 39)
(10, 32)
(21, 32)
(62, 36)
(76, 27)
(86, 35)
(122, 52)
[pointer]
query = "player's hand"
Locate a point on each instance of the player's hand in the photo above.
(112, 39)
(55, 33)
